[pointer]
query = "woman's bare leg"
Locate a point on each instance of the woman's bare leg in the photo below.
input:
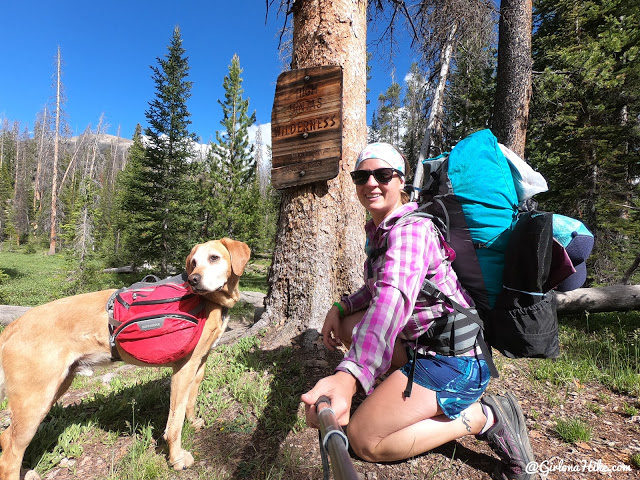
(389, 427)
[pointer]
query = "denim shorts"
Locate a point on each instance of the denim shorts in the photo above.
(457, 381)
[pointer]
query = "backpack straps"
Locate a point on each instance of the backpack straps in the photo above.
(373, 255)
(466, 324)
(472, 316)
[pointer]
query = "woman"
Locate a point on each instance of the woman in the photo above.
(382, 324)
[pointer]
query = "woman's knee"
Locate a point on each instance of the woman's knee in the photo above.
(361, 442)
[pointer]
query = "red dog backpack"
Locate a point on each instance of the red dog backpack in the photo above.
(156, 322)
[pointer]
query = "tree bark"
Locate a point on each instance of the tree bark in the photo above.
(37, 194)
(513, 89)
(319, 253)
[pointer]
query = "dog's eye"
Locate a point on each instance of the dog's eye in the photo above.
(214, 258)
(193, 263)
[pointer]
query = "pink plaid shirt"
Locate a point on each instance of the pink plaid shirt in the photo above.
(395, 307)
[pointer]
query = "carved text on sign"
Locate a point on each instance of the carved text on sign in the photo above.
(303, 106)
(304, 126)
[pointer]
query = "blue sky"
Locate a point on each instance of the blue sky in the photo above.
(108, 48)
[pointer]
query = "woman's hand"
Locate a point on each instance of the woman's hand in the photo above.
(331, 329)
(340, 388)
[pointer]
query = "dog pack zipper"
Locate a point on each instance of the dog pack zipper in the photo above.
(134, 295)
(122, 326)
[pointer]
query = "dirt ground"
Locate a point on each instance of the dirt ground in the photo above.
(615, 438)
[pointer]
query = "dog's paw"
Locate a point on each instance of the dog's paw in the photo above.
(197, 424)
(184, 462)
(31, 475)
(84, 370)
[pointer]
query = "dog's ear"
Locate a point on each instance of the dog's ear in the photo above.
(188, 261)
(240, 253)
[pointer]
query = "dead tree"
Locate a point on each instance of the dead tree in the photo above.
(56, 152)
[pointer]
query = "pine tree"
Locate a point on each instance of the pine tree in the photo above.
(232, 167)
(469, 99)
(389, 115)
(413, 114)
(161, 194)
(129, 182)
(373, 132)
(584, 123)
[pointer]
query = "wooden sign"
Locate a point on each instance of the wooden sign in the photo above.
(306, 126)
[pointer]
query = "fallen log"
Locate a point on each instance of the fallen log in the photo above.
(614, 298)
(8, 313)
(125, 269)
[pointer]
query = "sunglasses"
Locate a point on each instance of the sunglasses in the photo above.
(382, 175)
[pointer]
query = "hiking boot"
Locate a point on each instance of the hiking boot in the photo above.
(508, 437)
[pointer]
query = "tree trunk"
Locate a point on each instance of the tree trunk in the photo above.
(434, 125)
(17, 192)
(114, 161)
(319, 252)
(54, 184)
(17, 137)
(513, 89)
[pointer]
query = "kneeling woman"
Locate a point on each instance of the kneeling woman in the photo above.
(383, 324)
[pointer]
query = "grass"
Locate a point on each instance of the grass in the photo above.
(141, 462)
(30, 279)
(603, 347)
(245, 390)
(573, 430)
(630, 410)
(59, 436)
(595, 408)
(249, 392)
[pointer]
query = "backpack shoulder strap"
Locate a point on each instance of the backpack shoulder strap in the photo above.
(376, 252)
(472, 315)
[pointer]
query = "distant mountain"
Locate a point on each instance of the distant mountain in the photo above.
(105, 141)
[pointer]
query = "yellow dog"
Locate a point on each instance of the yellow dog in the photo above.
(42, 350)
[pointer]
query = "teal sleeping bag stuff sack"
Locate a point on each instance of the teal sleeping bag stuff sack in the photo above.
(471, 190)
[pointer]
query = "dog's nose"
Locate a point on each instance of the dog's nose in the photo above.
(194, 279)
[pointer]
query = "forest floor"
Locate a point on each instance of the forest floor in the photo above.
(293, 453)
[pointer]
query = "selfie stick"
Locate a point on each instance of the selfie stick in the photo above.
(335, 442)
